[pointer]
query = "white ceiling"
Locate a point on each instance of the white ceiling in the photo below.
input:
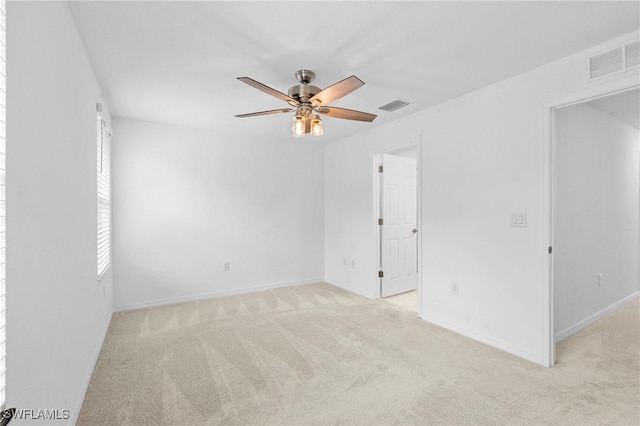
(624, 107)
(177, 62)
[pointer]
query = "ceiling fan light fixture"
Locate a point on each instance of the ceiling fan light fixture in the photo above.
(297, 126)
(316, 126)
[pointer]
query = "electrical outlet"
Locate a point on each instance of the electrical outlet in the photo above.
(600, 280)
(227, 266)
(455, 288)
(353, 263)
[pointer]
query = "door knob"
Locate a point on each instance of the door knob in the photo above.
(414, 230)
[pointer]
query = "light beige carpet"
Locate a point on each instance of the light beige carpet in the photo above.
(406, 301)
(319, 355)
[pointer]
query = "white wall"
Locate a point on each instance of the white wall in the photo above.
(187, 201)
(482, 158)
(596, 227)
(349, 212)
(57, 311)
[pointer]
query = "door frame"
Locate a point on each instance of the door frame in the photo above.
(625, 83)
(376, 206)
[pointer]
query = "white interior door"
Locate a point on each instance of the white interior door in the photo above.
(399, 229)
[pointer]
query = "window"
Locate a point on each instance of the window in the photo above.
(3, 150)
(104, 194)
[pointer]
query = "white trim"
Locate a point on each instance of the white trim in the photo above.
(377, 213)
(73, 419)
(624, 83)
(493, 343)
(420, 230)
(209, 295)
(563, 334)
(548, 347)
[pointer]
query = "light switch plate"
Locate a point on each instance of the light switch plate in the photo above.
(519, 220)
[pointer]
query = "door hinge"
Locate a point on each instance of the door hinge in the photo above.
(550, 249)
(380, 274)
(380, 168)
(380, 221)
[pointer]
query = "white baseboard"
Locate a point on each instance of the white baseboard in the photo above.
(73, 419)
(563, 334)
(189, 298)
(495, 343)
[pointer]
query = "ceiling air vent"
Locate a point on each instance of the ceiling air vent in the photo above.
(605, 63)
(392, 106)
(632, 54)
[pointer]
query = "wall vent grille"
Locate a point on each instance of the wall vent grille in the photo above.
(632, 54)
(615, 61)
(605, 63)
(394, 105)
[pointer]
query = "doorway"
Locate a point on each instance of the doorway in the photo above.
(397, 197)
(595, 209)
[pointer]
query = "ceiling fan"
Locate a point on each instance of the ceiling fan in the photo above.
(309, 101)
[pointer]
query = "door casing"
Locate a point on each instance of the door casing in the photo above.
(375, 209)
(548, 182)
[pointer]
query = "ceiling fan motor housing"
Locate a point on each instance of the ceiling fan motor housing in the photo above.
(303, 92)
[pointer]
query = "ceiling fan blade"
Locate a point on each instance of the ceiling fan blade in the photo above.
(268, 90)
(337, 90)
(347, 114)
(272, 111)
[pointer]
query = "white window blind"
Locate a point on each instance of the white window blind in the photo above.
(104, 194)
(3, 150)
